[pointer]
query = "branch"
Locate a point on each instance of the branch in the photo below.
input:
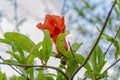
(111, 43)
(104, 26)
(110, 66)
(28, 66)
(15, 69)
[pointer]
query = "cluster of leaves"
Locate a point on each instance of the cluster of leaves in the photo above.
(24, 51)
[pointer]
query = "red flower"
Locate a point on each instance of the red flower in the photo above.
(55, 25)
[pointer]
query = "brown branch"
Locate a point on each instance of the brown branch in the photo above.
(28, 66)
(104, 26)
(111, 43)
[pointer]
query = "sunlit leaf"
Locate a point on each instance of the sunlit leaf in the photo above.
(60, 40)
(21, 40)
(46, 50)
(3, 76)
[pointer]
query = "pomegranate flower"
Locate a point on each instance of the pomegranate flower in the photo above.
(55, 25)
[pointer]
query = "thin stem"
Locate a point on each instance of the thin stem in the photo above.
(15, 69)
(28, 66)
(104, 26)
(111, 66)
(72, 53)
(111, 43)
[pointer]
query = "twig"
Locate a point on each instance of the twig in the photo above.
(72, 53)
(111, 43)
(110, 66)
(15, 69)
(28, 66)
(104, 26)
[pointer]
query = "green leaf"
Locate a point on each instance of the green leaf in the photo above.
(16, 48)
(81, 59)
(100, 66)
(76, 46)
(60, 40)
(35, 50)
(46, 50)
(40, 75)
(103, 75)
(91, 74)
(21, 40)
(16, 56)
(118, 4)
(72, 66)
(30, 59)
(17, 78)
(2, 76)
(114, 42)
(60, 76)
(44, 76)
(10, 61)
(93, 60)
(97, 59)
(30, 72)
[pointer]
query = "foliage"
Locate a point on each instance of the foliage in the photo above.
(24, 52)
